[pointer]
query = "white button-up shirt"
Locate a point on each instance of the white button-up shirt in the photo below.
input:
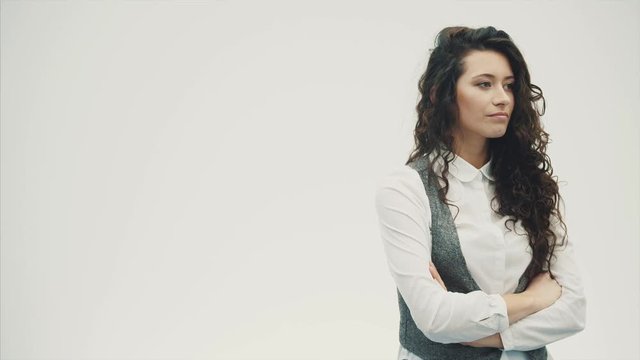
(496, 255)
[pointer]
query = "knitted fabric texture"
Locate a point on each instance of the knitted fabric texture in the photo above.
(447, 256)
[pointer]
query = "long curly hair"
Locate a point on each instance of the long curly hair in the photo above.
(525, 188)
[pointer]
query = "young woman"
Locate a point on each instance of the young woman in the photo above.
(471, 224)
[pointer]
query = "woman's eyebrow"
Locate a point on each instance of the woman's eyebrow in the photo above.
(492, 76)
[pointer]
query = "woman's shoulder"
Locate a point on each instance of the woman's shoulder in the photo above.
(421, 163)
(397, 176)
(402, 181)
(401, 191)
(408, 172)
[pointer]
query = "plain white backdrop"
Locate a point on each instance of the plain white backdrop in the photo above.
(195, 179)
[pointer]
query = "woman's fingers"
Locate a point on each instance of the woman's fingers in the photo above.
(434, 271)
(545, 289)
(436, 275)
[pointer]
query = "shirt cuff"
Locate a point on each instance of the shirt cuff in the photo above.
(507, 339)
(496, 317)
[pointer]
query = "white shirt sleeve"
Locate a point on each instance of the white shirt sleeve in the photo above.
(445, 317)
(563, 318)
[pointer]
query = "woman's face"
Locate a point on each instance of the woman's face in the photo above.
(484, 89)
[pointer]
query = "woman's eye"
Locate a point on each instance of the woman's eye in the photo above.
(486, 84)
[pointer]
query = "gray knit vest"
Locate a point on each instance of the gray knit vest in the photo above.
(449, 260)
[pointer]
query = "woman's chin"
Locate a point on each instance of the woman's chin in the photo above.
(498, 133)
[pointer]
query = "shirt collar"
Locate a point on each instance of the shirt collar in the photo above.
(466, 172)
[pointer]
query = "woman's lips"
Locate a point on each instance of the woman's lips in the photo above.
(499, 117)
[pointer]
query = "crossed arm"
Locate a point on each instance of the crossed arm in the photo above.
(523, 321)
(541, 293)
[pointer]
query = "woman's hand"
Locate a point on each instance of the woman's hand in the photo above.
(494, 340)
(540, 294)
(436, 275)
(544, 290)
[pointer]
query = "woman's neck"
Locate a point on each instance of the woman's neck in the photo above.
(475, 153)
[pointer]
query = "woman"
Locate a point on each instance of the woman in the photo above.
(471, 225)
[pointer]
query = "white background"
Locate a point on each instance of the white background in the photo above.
(191, 179)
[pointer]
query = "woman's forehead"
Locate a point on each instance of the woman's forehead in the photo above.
(486, 63)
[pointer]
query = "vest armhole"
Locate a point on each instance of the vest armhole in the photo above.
(416, 182)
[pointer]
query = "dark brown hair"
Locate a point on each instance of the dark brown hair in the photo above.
(524, 186)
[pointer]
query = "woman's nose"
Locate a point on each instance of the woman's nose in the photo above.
(501, 97)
